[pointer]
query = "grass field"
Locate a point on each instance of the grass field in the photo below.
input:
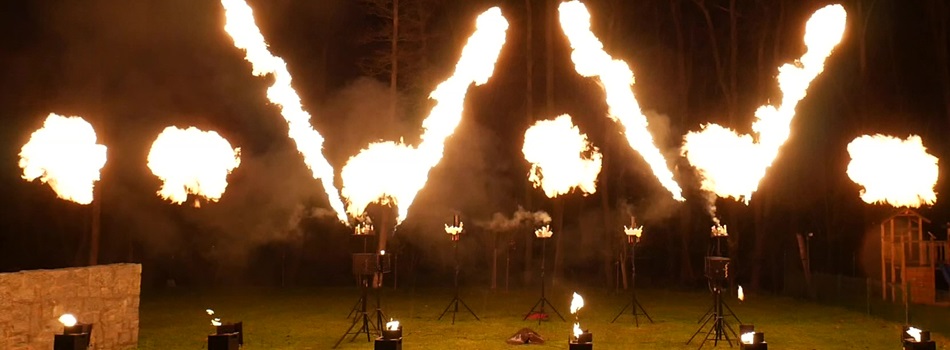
(302, 319)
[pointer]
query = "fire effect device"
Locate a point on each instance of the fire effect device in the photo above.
(633, 234)
(226, 336)
(455, 232)
(390, 338)
(717, 273)
(76, 336)
(749, 339)
(537, 310)
(915, 339)
(581, 339)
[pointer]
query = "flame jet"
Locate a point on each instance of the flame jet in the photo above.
(561, 158)
(241, 27)
(615, 76)
(893, 171)
(192, 161)
(64, 154)
(731, 165)
(407, 168)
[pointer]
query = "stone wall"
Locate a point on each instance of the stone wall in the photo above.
(106, 296)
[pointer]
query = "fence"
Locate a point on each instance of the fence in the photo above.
(865, 295)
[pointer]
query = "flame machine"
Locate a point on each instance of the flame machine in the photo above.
(455, 231)
(367, 266)
(717, 273)
(633, 237)
(538, 309)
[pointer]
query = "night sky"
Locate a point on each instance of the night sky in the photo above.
(132, 68)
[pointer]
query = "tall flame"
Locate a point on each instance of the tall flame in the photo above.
(893, 171)
(615, 76)
(64, 154)
(393, 173)
(192, 161)
(732, 165)
(561, 158)
(741, 294)
(577, 302)
(242, 29)
(914, 332)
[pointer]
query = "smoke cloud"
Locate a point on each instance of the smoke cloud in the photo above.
(520, 218)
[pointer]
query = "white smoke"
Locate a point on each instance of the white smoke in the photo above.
(520, 218)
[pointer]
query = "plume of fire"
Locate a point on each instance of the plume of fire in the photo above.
(747, 338)
(240, 25)
(633, 231)
(67, 320)
(615, 76)
(914, 332)
(455, 230)
(741, 294)
(544, 232)
(406, 169)
(893, 171)
(392, 325)
(719, 230)
(732, 165)
(192, 161)
(577, 330)
(577, 302)
(64, 154)
(561, 158)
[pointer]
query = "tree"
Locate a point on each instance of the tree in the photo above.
(726, 72)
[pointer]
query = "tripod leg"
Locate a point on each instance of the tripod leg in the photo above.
(699, 330)
(706, 315)
(447, 307)
(469, 309)
(644, 312)
(532, 312)
(554, 309)
(731, 313)
(620, 313)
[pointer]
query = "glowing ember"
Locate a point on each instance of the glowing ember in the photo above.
(746, 338)
(720, 231)
(731, 165)
(633, 231)
(577, 302)
(67, 320)
(561, 158)
(363, 180)
(192, 161)
(915, 333)
(544, 232)
(616, 78)
(64, 154)
(893, 171)
(454, 230)
(242, 29)
(392, 325)
(741, 294)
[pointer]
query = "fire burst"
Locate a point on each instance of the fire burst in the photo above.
(561, 158)
(731, 165)
(615, 76)
(64, 154)
(192, 161)
(367, 179)
(242, 29)
(893, 171)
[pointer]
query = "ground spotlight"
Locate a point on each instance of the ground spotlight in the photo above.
(75, 335)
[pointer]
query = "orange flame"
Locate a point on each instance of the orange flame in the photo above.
(64, 154)
(239, 24)
(408, 170)
(561, 158)
(615, 76)
(893, 171)
(192, 161)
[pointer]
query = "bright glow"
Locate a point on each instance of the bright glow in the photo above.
(192, 161)
(216, 322)
(64, 154)
(454, 230)
(615, 76)
(239, 24)
(732, 165)
(633, 231)
(720, 230)
(382, 252)
(210, 312)
(915, 333)
(544, 232)
(392, 325)
(67, 320)
(577, 302)
(746, 338)
(561, 158)
(393, 173)
(577, 330)
(741, 294)
(363, 229)
(893, 171)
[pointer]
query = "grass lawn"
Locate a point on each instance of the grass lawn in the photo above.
(302, 319)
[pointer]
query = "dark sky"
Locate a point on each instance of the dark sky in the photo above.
(132, 68)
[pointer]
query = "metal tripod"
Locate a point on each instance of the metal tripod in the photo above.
(362, 317)
(456, 300)
(719, 328)
(539, 306)
(634, 304)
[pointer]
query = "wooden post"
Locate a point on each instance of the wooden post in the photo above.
(883, 263)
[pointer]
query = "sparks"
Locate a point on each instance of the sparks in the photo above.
(561, 157)
(615, 76)
(732, 165)
(893, 171)
(192, 161)
(366, 176)
(64, 154)
(240, 25)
